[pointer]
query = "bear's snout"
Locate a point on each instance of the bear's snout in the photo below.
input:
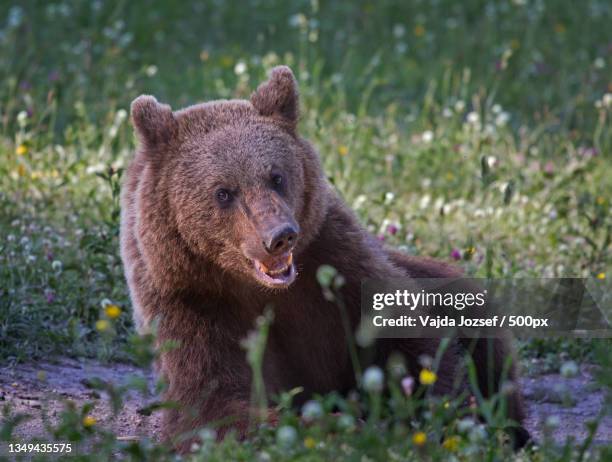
(280, 239)
(272, 255)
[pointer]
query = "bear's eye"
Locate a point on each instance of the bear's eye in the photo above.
(223, 196)
(277, 180)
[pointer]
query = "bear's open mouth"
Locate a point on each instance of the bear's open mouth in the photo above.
(281, 274)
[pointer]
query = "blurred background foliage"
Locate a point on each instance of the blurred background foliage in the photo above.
(535, 57)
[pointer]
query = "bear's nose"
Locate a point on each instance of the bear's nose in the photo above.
(280, 240)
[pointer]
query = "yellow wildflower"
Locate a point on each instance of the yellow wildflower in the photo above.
(309, 442)
(419, 438)
(601, 276)
(21, 150)
(89, 421)
(102, 325)
(427, 377)
(419, 30)
(112, 311)
(600, 200)
(342, 150)
(451, 443)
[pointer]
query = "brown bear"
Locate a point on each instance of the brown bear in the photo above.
(226, 210)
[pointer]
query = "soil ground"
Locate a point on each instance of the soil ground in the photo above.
(41, 390)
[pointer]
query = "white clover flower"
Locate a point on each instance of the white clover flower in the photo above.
(569, 369)
(399, 30)
(15, 16)
(264, 456)
(96, 168)
(459, 106)
(360, 201)
(269, 59)
(478, 433)
(389, 196)
(502, 119)
(208, 435)
(346, 422)
(401, 48)
(298, 20)
(496, 109)
(240, 68)
(465, 425)
(22, 117)
(311, 411)
(473, 118)
(424, 202)
(336, 78)
(599, 63)
(427, 136)
(446, 112)
(121, 115)
(607, 99)
(286, 436)
(491, 161)
(373, 379)
(151, 70)
(57, 265)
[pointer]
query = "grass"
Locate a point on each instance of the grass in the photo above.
(478, 132)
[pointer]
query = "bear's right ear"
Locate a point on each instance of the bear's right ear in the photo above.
(154, 123)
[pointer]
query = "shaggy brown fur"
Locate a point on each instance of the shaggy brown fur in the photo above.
(202, 206)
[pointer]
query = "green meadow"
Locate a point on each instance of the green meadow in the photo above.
(477, 132)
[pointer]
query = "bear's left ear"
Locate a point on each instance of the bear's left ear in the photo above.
(278, 97)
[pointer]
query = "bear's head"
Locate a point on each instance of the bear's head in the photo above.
(230, 183)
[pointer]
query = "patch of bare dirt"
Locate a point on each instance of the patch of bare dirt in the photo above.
(41, 389)
(571, 402)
